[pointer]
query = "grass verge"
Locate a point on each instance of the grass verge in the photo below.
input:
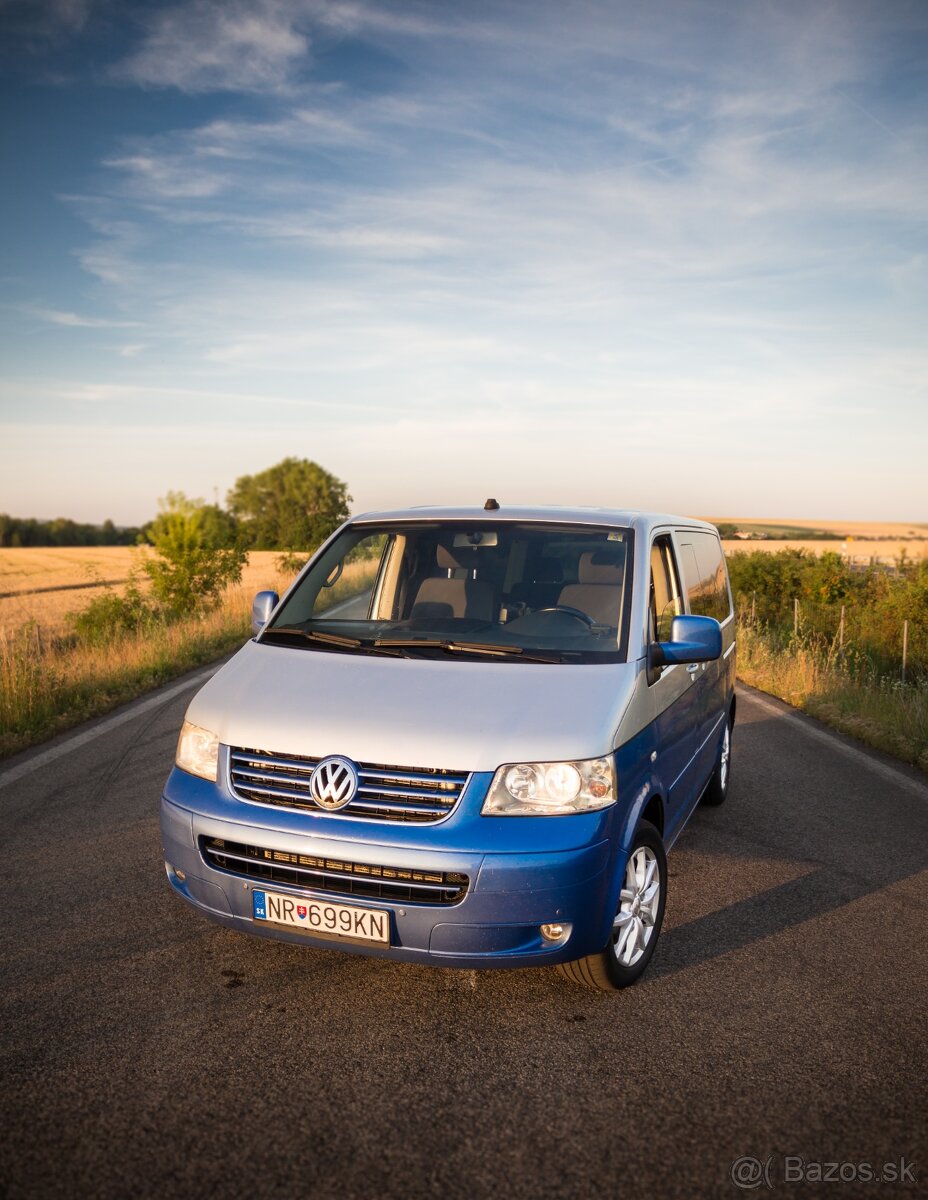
(48, 686)
(842, 690)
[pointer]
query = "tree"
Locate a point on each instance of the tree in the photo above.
(190, 571)
(220, 529)
(295, 505)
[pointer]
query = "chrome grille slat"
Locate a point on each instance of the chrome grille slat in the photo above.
(265, 777)
(448, 779)
(283, 794)
(385, 793)
(427, 810)
(370, 880)
(410, 793)
(269, 760)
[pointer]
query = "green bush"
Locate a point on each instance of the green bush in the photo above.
(190, 571)
(876, 602)
(111, 615)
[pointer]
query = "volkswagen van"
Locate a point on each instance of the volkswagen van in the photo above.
(464, 737)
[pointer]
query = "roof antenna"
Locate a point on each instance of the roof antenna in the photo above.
(491, 505)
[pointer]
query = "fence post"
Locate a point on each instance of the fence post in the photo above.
(796, 617)
(905, 646)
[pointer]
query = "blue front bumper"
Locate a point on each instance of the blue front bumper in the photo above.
(522, 872)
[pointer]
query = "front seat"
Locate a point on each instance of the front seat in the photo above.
(458, 593)
(599, 590)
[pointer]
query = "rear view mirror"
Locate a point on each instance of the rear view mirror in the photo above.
(692, 639)
(261, 608)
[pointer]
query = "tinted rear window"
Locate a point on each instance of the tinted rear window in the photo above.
(705, 575)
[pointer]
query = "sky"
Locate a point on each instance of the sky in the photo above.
(667, 256)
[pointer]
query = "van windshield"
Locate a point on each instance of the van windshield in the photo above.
(510, 591)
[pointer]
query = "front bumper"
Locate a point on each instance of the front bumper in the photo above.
(496, 924)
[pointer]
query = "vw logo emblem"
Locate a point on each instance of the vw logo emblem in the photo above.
(334, 782)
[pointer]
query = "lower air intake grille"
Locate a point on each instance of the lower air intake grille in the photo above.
(334, 875)
(419, 795)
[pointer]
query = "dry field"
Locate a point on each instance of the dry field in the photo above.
(883, 541)
(866, 530)
(73, 571)
(858, 549)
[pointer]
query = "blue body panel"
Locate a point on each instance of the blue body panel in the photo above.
(525, 875)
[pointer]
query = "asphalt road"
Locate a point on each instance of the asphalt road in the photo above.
(148, 1052)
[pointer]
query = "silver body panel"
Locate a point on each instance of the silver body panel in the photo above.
(468, 716)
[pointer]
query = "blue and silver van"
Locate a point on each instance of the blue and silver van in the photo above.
(464, 737)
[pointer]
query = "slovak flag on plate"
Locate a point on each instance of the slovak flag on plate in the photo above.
(301, 911)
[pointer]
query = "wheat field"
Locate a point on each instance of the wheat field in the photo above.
(883, 541)
(76, 572)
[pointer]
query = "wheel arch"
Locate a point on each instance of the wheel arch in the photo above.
(653, 812)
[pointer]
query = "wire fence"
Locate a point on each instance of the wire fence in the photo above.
(860, 638)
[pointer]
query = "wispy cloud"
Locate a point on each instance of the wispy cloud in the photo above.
(217, 45)
(54, 316)
(42, 20)
(168, 177)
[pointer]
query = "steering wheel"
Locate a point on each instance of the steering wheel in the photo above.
(568, 611)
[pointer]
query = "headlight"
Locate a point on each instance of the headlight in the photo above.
(198, 751)
(551, 789)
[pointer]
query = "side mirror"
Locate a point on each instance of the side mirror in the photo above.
(261, 608)
(692, 639)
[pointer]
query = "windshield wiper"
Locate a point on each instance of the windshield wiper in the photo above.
(337, 641)
(490, 649)
(313, 635)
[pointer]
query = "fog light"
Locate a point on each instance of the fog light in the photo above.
(555, 932)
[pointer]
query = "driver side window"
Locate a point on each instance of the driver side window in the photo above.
(665, 601)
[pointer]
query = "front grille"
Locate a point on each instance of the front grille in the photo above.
(334, 874)
(384, 793)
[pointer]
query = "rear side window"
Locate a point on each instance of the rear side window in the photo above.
(705, 575)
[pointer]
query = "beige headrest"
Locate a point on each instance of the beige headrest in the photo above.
(602, 566)
(451, 560)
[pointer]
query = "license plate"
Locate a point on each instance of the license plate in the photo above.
(322, 918)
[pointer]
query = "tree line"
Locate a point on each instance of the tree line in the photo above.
(29, 531)
(293, 506)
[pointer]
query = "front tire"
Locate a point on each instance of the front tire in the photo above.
(637, 923)
(717, 787)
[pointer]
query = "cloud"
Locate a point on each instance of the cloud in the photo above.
(43, 20)
(218, 45)
(73, 320)
(169, 177)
